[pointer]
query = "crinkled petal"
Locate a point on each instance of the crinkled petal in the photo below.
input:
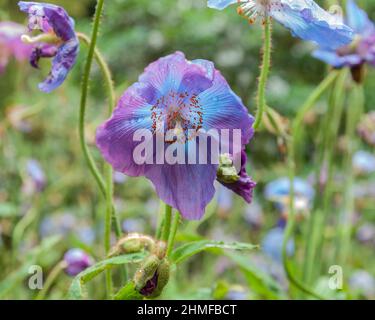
(220, 4)
(244, 186)
(63, 62)
(42, 51)
(306, 20)
(188, 188)
(48, 16)
(223, 109)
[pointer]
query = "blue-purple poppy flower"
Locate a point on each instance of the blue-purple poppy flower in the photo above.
(76, 261)
(188, 98)
(361, 50)
(304, 18)
(58, 41)
(11, 44)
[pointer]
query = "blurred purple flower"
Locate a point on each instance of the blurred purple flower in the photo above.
(57, 224)
(304, 18)
(254, 215)
(76, 261)
(133, 225)
(366, 234)
(185, 97)
(11, 44)
(363, 283)
(361, 50)
(37, 175)
(58, 41)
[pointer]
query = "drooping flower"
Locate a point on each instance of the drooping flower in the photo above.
(187, 98)
(58, 40)
(11, 44)
(278, 191)
(362, 48)
(76, 261)
(304, 18)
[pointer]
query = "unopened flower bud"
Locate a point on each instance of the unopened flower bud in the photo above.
(145, 276)
(76, 261)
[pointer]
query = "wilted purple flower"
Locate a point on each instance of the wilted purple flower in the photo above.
(304, 18)
(187, 98)
(58, 41)
(76, 261)
(11, 44)
(364, 162)
(366, 128)
(361, 50)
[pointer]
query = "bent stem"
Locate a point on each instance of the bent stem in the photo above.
(51, 279)
(265, 69)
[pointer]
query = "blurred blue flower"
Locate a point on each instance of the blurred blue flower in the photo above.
(273, 242)
(361, 50)
(57, 224)
(59, 40)
(363, 283)
(304, 18)
(133, 225)
(364, 162)
(366, 234)
(254, 215)
(278, 192)
(76, 261)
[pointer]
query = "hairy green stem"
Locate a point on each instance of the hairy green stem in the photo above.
(167, 223)
(265, 69)
(172, 235)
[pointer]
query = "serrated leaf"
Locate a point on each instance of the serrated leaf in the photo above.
(128, 292)
(76, 290)
(189, 249)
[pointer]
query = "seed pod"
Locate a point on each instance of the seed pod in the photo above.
(163, 274)
(146, 272)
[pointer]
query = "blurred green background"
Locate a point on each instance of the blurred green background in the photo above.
(133, 34)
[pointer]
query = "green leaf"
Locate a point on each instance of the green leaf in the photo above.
(258, 280)
(189, 249)
(76, 290)
(128, 292)
(8, 210)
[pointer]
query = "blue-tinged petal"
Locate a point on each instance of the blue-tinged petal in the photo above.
(358, 19)
(222, 108)
(115, 137)
(220, 4)
(188, 188)
(62, 63)
(335, 60)
(306, 20)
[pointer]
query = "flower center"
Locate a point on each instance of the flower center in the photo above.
(252, 9)
(179, 112)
